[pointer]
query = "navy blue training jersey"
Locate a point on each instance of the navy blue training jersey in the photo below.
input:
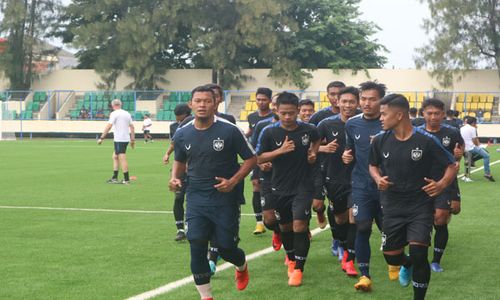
(408, 162)
(173, 128)
(330, 129)
(254, 118)
(292, 173)
(321, 114)
(359, 134)
(211, 153)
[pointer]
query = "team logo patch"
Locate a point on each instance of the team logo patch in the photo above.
(279, 144)
(187, 147)
(357, 136)
(218, 144)
(305, 139)
(416, 154)
(354, 210)
(335, 133)
(446, 141)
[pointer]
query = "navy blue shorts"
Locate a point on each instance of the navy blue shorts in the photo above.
(219, 224)
(121, 147)
(339, 197)
(365, 205)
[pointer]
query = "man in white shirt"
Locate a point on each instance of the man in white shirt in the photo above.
(146, 128)
(123, 131)
(472, 145)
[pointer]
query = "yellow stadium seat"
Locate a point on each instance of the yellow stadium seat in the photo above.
(421, 97)
(467, 105)
(254, 106)
(460, 98)
(471, 114)
(324, 104)
(481, 106)
(489, 98)
(488, 106)
(253, 97)
(482, 98)
(468, 98)
(487, 116)
(323, 96)
(473, 106)
(459, 106)
(243, 115)
(316, 106)
(248, 105)
(461, 116)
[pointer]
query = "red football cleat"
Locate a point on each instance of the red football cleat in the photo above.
(242, 279)
(277, 241)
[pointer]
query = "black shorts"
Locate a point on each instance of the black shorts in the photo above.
(411, 225)
(255, 173)
(266, 196)
(339, 197)
(121, 147)
(146, 131)
(219, 224)
(293, 207)
(451, 193)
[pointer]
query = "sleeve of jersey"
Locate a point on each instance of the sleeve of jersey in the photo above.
(349, 142)
(374, 158)
(179, 152)
(314, 134)
(242, 145)
(263, 142)
(459, 139)
(255, 136)
(440, 154)
(112, 118)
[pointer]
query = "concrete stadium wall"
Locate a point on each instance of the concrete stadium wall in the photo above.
(396, 80)
(159, 127)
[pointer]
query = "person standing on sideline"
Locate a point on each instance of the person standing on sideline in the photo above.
(123, 134)
(207, 150)
(146, 128)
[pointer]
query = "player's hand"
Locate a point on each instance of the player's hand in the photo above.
(311, 156)
(458, 152)
(347, 156)
(166, 159)
(99, 141)
(288, 146)
(330, 147)
(175, 184)
(433, 188)
(224, 185)
(132, 144)
(266, 167)
(383, 183)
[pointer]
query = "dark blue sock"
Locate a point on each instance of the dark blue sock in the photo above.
(362, 246)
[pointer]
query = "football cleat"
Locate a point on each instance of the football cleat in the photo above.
(341, 253)
(344, 260)
(276, 241)
(364, 284)
(112, 180)
(405, 275)
(213, 267)
(436, 267)
(181, 235)
(350, 270)
(393, 272)
(295, 278)
(335, 247)
(125, 182)
(242, 279)
(259, 229)
(291, 267)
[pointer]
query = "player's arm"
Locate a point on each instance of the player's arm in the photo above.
(287, 146)
(178, 170)
(104, 133)
(348, 155)
(132, 135)
(383, 182)
(442, 157)
(166, 157)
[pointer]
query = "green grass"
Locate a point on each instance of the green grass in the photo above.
(49, 254)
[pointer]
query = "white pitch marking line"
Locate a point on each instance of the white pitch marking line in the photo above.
(479, 169)
(178, 283)
(96, 210)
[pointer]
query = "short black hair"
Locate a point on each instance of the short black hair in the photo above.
(421, 111)
(214, 86)
(350, 90)
(433, 102)
(182, 109)
(470, 120)
(373, 85)
(450, 113)
(337, 84)
(306, 102)
(287, 98)
(203, 89)
(456, 113)
(396, 100)
(264, 91)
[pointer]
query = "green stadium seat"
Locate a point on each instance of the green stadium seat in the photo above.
(74, 114)
(36, 106)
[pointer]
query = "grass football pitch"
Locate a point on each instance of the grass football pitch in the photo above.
(117, 241)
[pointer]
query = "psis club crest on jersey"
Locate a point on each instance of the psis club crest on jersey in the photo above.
(446, 141)
(416, 154)
(218, 144)
(305, 139)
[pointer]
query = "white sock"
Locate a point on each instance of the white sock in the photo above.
(205, 290)
(260, 222)
(242, 268)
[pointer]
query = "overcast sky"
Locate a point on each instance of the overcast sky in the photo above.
(400, 22)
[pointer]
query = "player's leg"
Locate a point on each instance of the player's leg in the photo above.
(284, 210)
(226, 236)
(269, 216)
(393, 242)
(362, 212)
(350, 253)
(179, 213)
(116, 166)
(319, 197)
(200, 230)
(442, 215)
(257, 208)
(124, 166)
